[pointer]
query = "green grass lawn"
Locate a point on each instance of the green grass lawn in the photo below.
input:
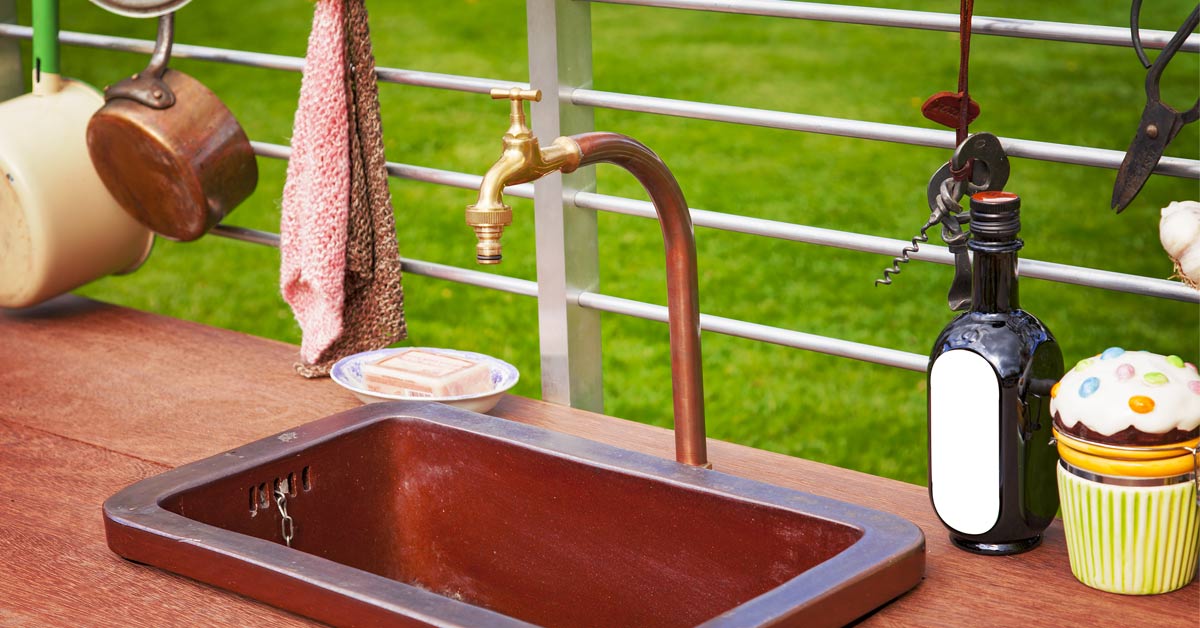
(839, 411)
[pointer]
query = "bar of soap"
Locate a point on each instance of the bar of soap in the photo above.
(417, 373)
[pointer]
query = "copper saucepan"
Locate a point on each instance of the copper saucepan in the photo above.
(169, 150)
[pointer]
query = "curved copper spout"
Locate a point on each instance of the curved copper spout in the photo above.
(683, 300)
(524, 160)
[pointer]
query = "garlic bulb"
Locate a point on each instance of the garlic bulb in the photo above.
(1179, 231)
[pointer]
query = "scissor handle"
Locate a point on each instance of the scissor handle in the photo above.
(1135, 32)
(1156, 69)
(1191, 115)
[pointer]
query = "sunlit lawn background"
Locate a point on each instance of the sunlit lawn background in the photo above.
(840, 411)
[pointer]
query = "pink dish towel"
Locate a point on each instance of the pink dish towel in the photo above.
(316, 196)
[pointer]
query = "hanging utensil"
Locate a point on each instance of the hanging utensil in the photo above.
(1160, 122)
(989, 172)
(958, 176)
(169, 150)
(59, 226)
(984, 157)
(141, 8)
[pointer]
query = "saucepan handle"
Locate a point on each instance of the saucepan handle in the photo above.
(162, 46)
(148, 87)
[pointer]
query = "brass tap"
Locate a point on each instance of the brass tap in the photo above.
(522, 161)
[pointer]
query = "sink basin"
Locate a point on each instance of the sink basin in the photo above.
(413, 513)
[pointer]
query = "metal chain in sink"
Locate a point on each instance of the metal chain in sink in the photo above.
(287, 525)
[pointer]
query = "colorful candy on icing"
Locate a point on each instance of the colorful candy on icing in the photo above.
(1116, 390)
(1155, 379)
(1111, 353)
(1125, 371)
(1141, 404)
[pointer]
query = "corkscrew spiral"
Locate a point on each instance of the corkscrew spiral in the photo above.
(903, 258)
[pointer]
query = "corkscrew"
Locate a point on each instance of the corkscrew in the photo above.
(917, 241)
(989, 171)
(944, 193)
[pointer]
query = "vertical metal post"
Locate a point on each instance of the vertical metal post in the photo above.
(12, 76)
(560, 60)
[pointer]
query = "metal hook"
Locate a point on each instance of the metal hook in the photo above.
(162, 46)
(148, 87)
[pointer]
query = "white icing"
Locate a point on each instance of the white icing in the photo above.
(1107, 410)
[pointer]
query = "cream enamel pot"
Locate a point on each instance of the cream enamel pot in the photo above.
(59, 226)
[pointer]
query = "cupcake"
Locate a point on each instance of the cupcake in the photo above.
(1129, 398)
(1127, 424)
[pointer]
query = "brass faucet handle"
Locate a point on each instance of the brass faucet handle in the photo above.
(516, 94)
(517, 128)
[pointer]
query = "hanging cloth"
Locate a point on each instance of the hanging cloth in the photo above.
(355, 232)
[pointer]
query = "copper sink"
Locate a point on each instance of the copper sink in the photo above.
(421, 514)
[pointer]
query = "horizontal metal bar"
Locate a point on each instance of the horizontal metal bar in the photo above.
(800, 122)
(406, 171)
(262, 60)
(1050, 271)
(755, 331)
(980, 25)
(602, 302)
(763, 333)
(1010, 27)
(265, 238)
(1045, 151)
(503, 283)
(617, 305)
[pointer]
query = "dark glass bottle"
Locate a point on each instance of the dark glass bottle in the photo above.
(991, 464)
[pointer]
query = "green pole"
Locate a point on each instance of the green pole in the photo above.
(45, 36)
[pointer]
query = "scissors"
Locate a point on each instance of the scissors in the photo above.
(1160, 122)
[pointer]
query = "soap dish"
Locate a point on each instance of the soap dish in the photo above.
(348, 374)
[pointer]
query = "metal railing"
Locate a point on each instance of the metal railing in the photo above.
(559, 37)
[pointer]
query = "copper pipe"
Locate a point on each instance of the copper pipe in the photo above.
(683, 300)
(524, 160)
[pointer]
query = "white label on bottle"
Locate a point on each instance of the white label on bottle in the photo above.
(964, 441)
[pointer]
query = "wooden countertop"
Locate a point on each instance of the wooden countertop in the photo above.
(94, 397)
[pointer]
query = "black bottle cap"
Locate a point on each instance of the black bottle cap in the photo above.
(995, 217)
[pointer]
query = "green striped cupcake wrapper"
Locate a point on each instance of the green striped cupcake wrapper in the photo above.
(1135, 540)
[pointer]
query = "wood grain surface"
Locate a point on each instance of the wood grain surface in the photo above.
(94, 397)
(55, 569)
